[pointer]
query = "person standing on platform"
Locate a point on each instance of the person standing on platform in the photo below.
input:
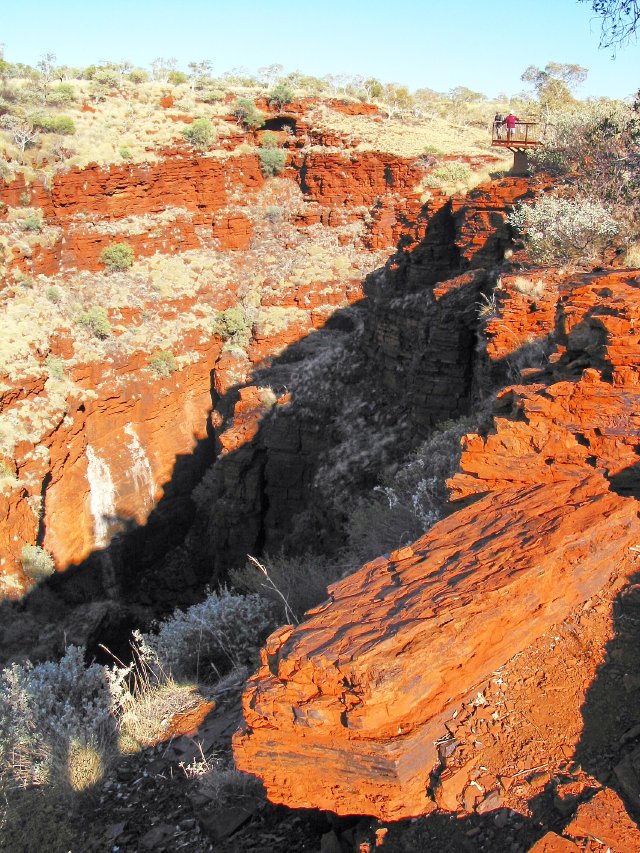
(510, 123)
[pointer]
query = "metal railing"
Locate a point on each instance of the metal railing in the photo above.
(524, 134)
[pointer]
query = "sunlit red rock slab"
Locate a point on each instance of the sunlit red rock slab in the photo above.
(344, 712)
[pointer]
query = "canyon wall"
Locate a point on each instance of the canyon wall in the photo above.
(105, 461)
(211, 197)
(122, 439)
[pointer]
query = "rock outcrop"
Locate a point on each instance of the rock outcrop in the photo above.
(211, 197)
(106, 460)
(364, 686)
(587, 419)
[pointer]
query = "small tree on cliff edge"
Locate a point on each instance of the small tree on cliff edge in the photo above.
(282, 94)
(395, 99)
(247, 114)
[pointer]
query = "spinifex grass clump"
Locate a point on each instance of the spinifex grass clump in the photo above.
(163, 362)
(230, 323)
(96, 321)
(117, 256)
(36, 562)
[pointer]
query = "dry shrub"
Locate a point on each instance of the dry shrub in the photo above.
(293, 584)
(47, 709)
(208, 639)
(410, 498)
(632, 256)
(559, 231)
(229, 785)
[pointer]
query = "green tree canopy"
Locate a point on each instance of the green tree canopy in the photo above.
(555, 83)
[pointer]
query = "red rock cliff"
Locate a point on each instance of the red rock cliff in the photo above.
(136, 428)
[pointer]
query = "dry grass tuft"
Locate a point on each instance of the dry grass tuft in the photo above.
(532, 289)
(85, 766)
(632, 256)
(147, 711)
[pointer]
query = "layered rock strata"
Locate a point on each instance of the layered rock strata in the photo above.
(215, 206)
(211, 199)
(363, 687)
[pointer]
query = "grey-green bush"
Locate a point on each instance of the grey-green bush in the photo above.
(137, 76)
(280, 95)
(230, 322)
(32, 221)
(177, 78)
(272, 160)
(46, 708)
(223, 631)
(54, 124)
(96, 321)
(559, 231)
(163, 363)
(596, 147)
(411, 498)
(301, 581)
(62, 94)
(248, 114)
(55, 367)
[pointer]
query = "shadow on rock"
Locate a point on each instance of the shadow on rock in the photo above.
(609, 748)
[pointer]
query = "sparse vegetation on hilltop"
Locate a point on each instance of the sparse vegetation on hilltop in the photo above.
(114, 107)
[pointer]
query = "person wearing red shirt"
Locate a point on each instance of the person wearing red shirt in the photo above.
(510, 123)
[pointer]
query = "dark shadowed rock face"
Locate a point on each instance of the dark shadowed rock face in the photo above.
(358, 394)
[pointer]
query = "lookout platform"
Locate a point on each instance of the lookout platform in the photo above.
(520, 139)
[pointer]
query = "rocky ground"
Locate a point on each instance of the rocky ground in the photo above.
(549, 745)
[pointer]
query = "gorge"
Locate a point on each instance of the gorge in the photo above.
(374, 312)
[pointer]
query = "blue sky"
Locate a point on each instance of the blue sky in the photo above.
(483, 45)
